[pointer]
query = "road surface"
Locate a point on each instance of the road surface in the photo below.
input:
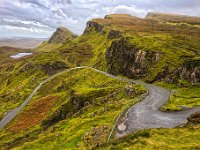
(146, 114)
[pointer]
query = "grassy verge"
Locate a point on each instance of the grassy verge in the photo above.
(181, 97)
(176, 138)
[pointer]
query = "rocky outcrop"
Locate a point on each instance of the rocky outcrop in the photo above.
(48, 68)
(61, 35)
(124, 58)
(190, 71)
(114, 34)
(92, 24)
(194, 118)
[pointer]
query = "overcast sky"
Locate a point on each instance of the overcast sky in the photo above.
(39, 18)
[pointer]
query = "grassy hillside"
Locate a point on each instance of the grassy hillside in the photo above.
(177, 138)
(75, 110)
(20, 77)
(60, 37)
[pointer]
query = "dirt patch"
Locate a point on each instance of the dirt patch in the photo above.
(36, 112)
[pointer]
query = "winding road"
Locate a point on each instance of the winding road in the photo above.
(146, 114)
(143, 115)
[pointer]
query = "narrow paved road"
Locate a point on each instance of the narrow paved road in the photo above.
(144, 114)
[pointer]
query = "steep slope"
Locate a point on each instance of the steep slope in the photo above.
(59, 37)
(143, 48)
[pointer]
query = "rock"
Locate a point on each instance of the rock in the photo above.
(95, 25)
(114, 34)
(124, 58)
(195, 118)
(48, 68)
(190, 71)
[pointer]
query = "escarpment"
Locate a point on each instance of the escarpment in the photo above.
(126, 59)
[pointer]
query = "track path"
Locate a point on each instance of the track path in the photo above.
(143, 115)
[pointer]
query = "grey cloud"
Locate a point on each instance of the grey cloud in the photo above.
(74, 14)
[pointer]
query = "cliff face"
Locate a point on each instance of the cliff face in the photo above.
(92, 24)
(124, 58)
(137, 48)
(190, 71)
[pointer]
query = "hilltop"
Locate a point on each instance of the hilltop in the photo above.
(173, 18)
(77, 109)
(60, 36)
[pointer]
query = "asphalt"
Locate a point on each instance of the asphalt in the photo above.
(143, 115)
(146, 114)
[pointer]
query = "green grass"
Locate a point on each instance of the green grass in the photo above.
(90, 102)
(177, 138)
(184, 96)
(18, 83)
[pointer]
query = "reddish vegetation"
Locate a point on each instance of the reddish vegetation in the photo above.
(36, 112)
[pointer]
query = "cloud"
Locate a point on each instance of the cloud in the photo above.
(123, 9)
(41, 17)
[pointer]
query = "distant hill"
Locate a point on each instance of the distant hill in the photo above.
(60, 36)
(21, 42)
(165, 17)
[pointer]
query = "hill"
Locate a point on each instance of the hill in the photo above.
(59, 37)
(21, 42)
(77, 109)
(176, 18)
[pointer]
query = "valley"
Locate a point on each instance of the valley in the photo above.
(125, 83)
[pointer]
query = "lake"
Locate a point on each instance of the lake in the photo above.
(19, 55)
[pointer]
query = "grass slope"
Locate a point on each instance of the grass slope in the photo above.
(177, 138)
(81, 108)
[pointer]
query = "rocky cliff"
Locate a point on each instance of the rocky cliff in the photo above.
(190, 71)
(126, 59)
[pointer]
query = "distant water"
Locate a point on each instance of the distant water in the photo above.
(19, 55)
